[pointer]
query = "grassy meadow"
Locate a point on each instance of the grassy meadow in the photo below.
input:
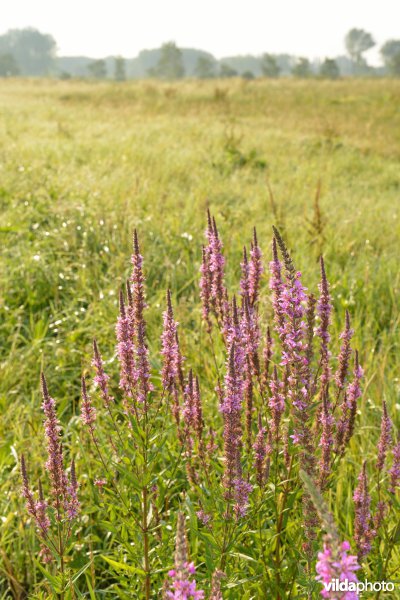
(84, 163)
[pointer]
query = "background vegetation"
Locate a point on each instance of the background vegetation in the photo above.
(28, 52)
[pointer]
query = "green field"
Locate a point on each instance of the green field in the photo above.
(82, 164)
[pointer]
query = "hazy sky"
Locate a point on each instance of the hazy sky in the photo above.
(108, 27)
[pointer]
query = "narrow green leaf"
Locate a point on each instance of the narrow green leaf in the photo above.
(54, 580)
(118, 566)
(81, 571)
(91, 591)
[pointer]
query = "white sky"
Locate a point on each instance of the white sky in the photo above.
(99, 28)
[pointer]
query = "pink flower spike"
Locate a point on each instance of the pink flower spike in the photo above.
(394, 472)
(125, 349)
(334, 563)
(88, 411)
(101, 378)
(364, 534)
(170, 351)
(72, 504)
(54, 462)
(244, 282)
(385, 438)
(256, 270)
(182, 587)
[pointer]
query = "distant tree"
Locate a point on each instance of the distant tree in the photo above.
(390, 53)
(248, 75)
(8, 66)
(64, 75)
(119, 68)
(269, 66)
(227, 71)
(170, 63)
(329, 69)
(98, 69)
(33, 51)
(358, 41)
(302, 68)
(205, 67)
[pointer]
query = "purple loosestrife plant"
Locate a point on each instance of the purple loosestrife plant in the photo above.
(276, 405)
(56, 516)
(198, 420)
(215, 262)
(134, 475)
(142, 366)
(233, 434)
(395, 468)
(344, 355)
(363, 530)
(348, 409)
(88, 411)
(193, 418)
(335, 563)
(172, 359)
(172, 371)
(101, 378)
(38, 510)
(309, 383)
(293, 393)
(326, 443)
(267, 357)
(249, 404)
(72, 505)
(324, 309)
(385, 441)
(205, 287)
(234, 335)
(253, 487)
(256, 270)
(182, 585)
(244, 282)
(189, 409)
(354, 389)
(215, 592)
(128, 415)
(125, 350)
(250, 336)
(260, 453)
(291, 328)
(385, 438)
(55, 460)
(276, 286)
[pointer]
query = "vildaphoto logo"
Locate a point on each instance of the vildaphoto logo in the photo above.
(336, 585)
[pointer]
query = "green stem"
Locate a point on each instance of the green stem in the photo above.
(61, 548)
(279, 525)
(146, 545)
(145, 525)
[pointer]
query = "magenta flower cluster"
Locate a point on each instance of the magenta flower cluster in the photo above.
(395, 469)
(182, 585)
(364, 532)
(336, 564)
(62, 507)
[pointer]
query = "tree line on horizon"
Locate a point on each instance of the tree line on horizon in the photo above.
(28, 52)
